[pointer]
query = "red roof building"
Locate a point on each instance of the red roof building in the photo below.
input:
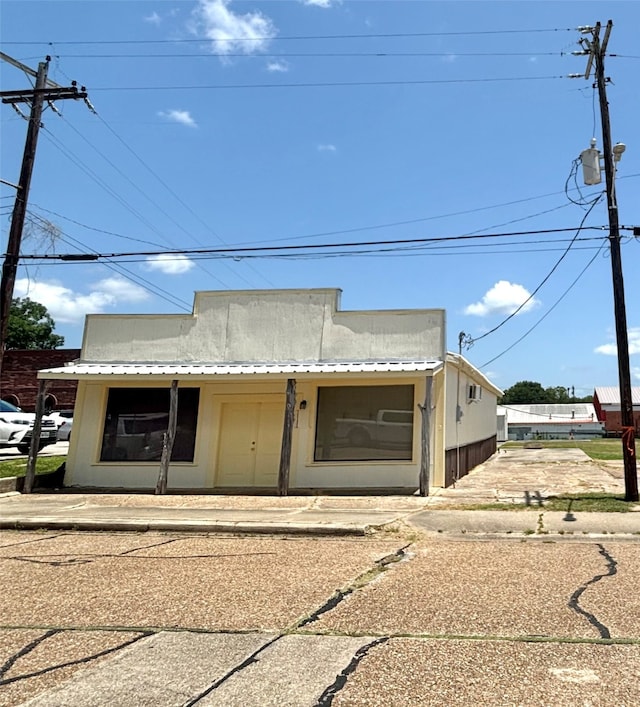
(606, 401)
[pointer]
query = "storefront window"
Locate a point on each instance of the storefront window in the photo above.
(137, 419)
(364, 423)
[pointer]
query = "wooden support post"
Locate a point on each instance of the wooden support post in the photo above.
(168, 438)
(287, 433)
(30, 475)
(425, 439)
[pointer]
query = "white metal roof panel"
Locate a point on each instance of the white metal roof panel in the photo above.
(82, 370)
(541, 414)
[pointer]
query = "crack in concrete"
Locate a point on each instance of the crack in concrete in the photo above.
(253, 658)
(35, 540)
(24, 651)
(30, 646)
(574, 601)
(360, 582)
(326, 698)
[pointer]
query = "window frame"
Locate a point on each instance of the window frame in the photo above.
(408, 449)
(124, 442)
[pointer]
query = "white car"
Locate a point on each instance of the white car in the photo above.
(64, 420)
(16, 428)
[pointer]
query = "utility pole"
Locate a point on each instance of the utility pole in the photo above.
(596, 51)
(44, 90)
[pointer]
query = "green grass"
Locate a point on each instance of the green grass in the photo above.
(18, 467)
(497, 506)
(567, 503)
(585, 502)
(605, 449)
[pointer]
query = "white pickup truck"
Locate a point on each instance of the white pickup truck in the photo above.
(389, 428)
(16, 428)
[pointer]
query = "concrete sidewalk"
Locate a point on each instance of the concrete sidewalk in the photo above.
(522, 477)
(529, 476)
(315, 515)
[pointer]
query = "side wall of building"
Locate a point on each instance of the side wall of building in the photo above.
(613, 422)
(471, 434)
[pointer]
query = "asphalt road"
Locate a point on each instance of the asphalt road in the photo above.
(59, 448)
(160, 619)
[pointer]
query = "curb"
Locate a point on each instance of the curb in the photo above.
(186, 527)
(520, 536)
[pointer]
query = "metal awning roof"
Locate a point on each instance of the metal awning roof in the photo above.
(178, 370)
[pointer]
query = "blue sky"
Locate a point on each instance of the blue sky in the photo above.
(227, 124)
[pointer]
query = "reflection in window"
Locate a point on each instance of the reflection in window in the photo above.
(364, 423)
(137, 419)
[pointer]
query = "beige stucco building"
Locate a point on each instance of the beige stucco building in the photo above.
(276, 389)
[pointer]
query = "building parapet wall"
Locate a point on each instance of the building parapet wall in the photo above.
(267, 326)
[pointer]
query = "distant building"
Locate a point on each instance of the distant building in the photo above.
(606, 401)
(19, 380)
(551, 421)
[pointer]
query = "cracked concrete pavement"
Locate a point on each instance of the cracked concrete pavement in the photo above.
(160, 619)
(440, 606)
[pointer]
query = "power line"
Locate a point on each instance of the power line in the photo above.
(174, 194)
(409, 222)
(100, 182)
(303, 55)
(146, 196)
(358, 229)
(388, 35)
(548, 312)
(121, 270)
(328, 84)
(90, 228)
(369, 253)
(314, 246)
(553, 269)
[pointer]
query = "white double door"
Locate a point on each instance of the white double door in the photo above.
(249, 443)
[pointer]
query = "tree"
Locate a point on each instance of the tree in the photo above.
(558, 394)
(31, 326)
(532, 393)
(525, 392)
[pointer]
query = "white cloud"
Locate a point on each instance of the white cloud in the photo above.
(635, 373)
(154, 18)
(278, 66)
(169, 264)
(121, 290)
(328, 147)
(503, 298)
(67, 306)
(247, 33)
(178, 116)
(611, 349)
(318, 3)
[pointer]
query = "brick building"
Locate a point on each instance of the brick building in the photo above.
(606, 401)
(19, 383)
